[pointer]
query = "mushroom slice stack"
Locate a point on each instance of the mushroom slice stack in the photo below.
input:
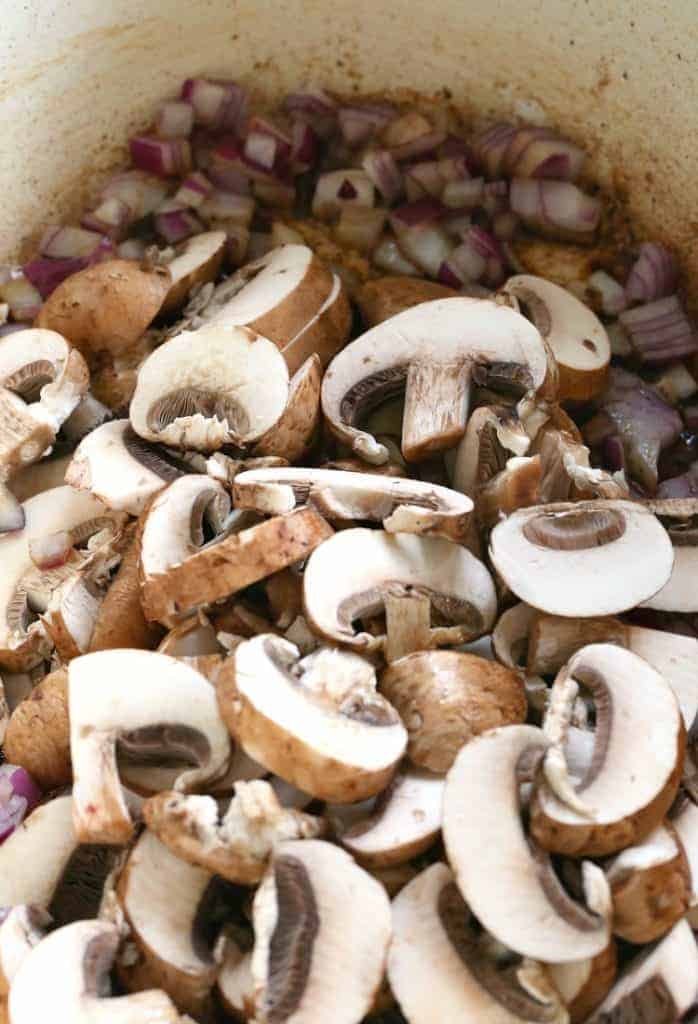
(650, 885)
(141, 704)
(629, 786)
(537, 551)
(505, 878)
(119, 468)
(181, 572)
(584, 984)
(439, 968)
(317, 721)
(161, 897)
(575, 334)
(236, 844)
(294, 432)
(23, 929)
(402, 505)
(492, 435)
(83, 954)
(34, 857)
(322, 929)
(404, 821)
(42, 380)
(25, 589)
(197, 261)
(659, 986)
(679, 594)
(357, 571)
(432, 352)
(203, 389)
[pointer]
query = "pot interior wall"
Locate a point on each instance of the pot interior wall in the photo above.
(76, 77)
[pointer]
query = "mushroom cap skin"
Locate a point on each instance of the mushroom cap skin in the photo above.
(537, 551)
(326, 333)
(119, 468)
(508, 883)
(203, 389)
(131, 698)
(322, 930)
(53, 511)
(451, 336)
(38, 733)
(84, 952)
(584, 984)
(650, 885)
(120, 619)
(34, 856)
(405, 820)
(437, 969)
(106, 307)
(659, 985)
(575, 334)
(403, 505)
(294, 433)
(348, 576)
(629, 786)
(22, 930)
(447, 697)
(198, 260)
(40, 476)
(318, 721)
(385, 297)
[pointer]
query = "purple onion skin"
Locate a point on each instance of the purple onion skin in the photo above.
(24, 797)
(683, 486)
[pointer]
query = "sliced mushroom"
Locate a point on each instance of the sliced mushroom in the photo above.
(658, 986)
(181, 572)
(505, 878)
(538, 551)
(38, 733)
(322, 929)
(78, 958)
(403, 821)
(193, 638)
(138, 702)
(492, 435)
(447, 697)
(295, 431)
(235, 844)
(684, 820)
(567, 473)
(575, 334)
(650, 885)
(161, 897)
(34, 857)
(120, 468)
(439, 967)
(85, 418)
(235, 984)
(517, 486)
(11, 511)
(432, 352)
(385, 297)
(318, 721)
(71, 615)
(350, 576)
(403, 505)
(39, 476)
(197, 261)
(628, 788)
(203, 389)
(23, 929)
(584, 984)
(678, 594)
(120, 619)
(326, 333)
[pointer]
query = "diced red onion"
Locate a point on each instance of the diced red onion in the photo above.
(420, 235)
(48, 551)
(423, 179)
(142, 193)
(23, 298)
(555, 207)
(194, 190)
(612, 298)
(332, 191)
(6, 329)
(218, 104)
(360, 227)
(112, 218)
(416, 214)
(132, 249)
(316, 106)
(489, 147)
(450, 275)
(613, 454)
(69, 243)
(543, 154)
(304, 146)
(422, 146)
(175, 119)
(484, 245)
(454, 168)
(495, 197)
(266, 146)
(690, 417)
(684, 486)
(229, 207)
(174, 224)
(653, 275)
(465, 194)
(46, 274)
(454, 146)
(381, 168)
(660, 331)
(225, 168)
(389, 257)
(504, 225)
(19, 795)
(164, 157)
(457, 223)
(275, 193)
(680, 457)
(359, 124)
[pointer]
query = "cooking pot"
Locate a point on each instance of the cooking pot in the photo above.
(77, 77)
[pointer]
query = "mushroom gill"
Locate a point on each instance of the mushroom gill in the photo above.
(576, 529)
(292, 941)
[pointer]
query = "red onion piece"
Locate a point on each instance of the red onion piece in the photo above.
(420, 235)
(690, 417)
(267, 147)
(23, 298)
(334, 189)
(229, 207)
(111, 218)
(504, 225)
(542, 154)
(19, 795)
(684, 486)
(218, 104)
(175, 224)
(613, 454)
(464, 195)
(495, 197)
(225, 169)
(381, 168)
(454, 168)
(315, 106)
(275, 193)
(304, 146)
(489, 147)
(194, 189)
(416, 214)
(389, 257)
(131, 249)
(46, 274)
(69, 243)
(359, 124)
(6, 329)
(48, 551)
(360, 227)
(489, 250)
(175, 119)
(557, 208)
(142, 193)
(423, 179)
(611, 295)
(660, 331)
(423, 146)
(455, 146)
(449, 274)
(653, 275)
(164, 157)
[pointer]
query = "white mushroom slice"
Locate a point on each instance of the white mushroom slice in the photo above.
(404, 821)
(658, 986)
(203, 389)
(685, 822)
(679, 593)
(79, 990)
(191, 639)
(11, 511)
(493, 433)
(25, 590)
(326, 333)
(71, 615)
(318, 721)
(431, 351)
(23, 929)
(566, 470)
(537, 551)
(161, 896)
(404, 506)
(322, 929)
(508, 881)
(137, 702)
(40, 476)
(629, 786)
(294, 432)
(120, 468)
(350, 575)
(43, 380)
(439, 967)
(584, 984)
(650, 885)
(575, 334)
(235, 844)
(34, 857)
(197, 261)
(235, 984)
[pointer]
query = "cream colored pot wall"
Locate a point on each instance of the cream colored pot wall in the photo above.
(77, 76)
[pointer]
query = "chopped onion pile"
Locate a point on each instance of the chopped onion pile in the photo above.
(19, 795)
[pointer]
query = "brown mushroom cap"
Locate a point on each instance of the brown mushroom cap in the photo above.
(446, 697)
(295, 431)
(387, 296)
(38, 734)
(585, 984)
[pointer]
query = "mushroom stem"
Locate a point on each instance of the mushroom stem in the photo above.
(407, 620)
(436, 407)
